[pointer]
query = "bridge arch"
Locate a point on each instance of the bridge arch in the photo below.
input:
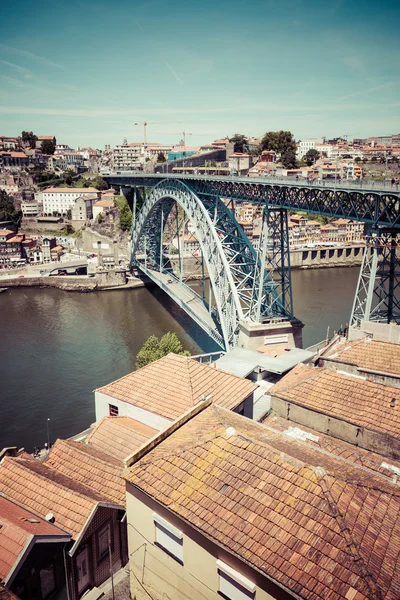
(147, 232)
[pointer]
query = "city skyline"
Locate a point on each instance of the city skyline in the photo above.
(88, 71)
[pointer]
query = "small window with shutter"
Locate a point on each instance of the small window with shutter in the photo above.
(233, 585)
(168, 538)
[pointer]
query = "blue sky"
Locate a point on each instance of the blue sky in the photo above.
(87, 71)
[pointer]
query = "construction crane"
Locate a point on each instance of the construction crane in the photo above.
(145, 123)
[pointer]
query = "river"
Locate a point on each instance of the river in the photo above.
(57, 347)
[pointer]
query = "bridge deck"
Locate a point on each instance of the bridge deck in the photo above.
(187, 299)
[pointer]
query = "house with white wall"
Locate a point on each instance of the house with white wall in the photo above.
(60, 200)
(160, 392)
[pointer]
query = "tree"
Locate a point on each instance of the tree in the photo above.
(8, 212)
(28, 137)
(125, 217)
(240, 143)
(48, 147)
(161, 157)
(311, 156)
(69, 214)
(153, 349)
(283, 143)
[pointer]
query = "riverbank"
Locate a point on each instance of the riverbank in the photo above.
(69, 284)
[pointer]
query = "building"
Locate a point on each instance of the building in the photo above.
(47, 245)
(91, 518)
(376, 360)
(82, 208)
(13, 160)
(161, 391)
(31, 209)
(308, 144)
(60, 200)
(343, 405)
(102, 206)
(218, 505)
(8, 185)
(47, 138)
(119, 436)
(31, 552)
(240, 163)
(178, 152)
(10, 248)
(8, 143)
(127, 156)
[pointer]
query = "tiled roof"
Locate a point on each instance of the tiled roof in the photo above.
(119, 436)
(173, 384)
(17, 526)
(67, 190)
(105, 202)
(42, 489)
(349, 452)
(317, 526)
(368, 354)
(89, 466)
(346, 397)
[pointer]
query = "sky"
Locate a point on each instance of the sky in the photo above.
(87, 70)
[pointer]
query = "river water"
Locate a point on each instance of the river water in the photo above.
(56, 347)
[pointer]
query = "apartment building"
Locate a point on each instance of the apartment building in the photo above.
(60, 200)
(128, 156)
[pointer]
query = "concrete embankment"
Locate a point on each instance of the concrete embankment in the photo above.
(69, 284)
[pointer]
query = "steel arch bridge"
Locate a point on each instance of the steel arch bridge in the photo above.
(248, 285)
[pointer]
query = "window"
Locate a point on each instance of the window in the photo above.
(168, 538)
(232, 585)
(47, 580)
(113, 410)
(103, 540)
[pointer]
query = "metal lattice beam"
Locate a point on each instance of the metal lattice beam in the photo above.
(378, 290)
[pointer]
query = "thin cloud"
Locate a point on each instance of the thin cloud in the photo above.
(375, 88)
(16, 82)
(14, 66)
(31, 56)
(175, 75)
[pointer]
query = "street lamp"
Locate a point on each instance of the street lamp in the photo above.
(48, 434)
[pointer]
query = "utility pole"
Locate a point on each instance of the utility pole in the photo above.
(48, 434)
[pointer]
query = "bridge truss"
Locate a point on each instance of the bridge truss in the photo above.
(245, 285)
(256, 286)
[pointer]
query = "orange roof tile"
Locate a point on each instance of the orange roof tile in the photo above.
(17, 526)
(314, 524)
(173, 384)
(105, 202)
(336, 447)
(119, 436)
(89, 466)
(66, 190)
(348, 398)
(367, 354)
(42, 489)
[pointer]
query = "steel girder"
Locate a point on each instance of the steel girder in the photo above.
(378, 208)
(147, 233)
(378, 291)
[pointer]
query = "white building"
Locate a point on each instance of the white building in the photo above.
(31, 209)
(102, 206)
(327, 148)
(308, 144)
(83, 208)
(128, 156)
(240, 163)
(60, 200)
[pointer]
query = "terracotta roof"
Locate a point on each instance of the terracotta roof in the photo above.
(106, 203)
(17, 526)
(6, 231)
(119, 436)
(317, 526)
(173, 384)
(42, 489)
(66, 190)
(349, 452)
(348, 398)
(89, 466)
(368, 354)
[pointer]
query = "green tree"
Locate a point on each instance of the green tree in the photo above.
(69, 214)
(28, 137)
(8, 212)
(153, 349)
(240, 143)
(125, 217)
(68, 229)
(161, 157)
(311, 156)
(48, 147)
(283, 143)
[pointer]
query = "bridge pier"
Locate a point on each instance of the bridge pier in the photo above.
(377, 297)
(254, 336)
